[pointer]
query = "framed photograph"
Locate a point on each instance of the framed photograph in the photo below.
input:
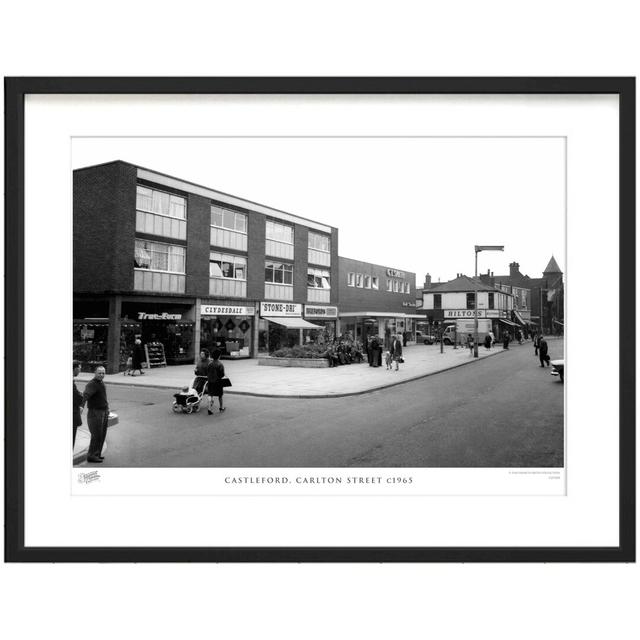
(320, 319)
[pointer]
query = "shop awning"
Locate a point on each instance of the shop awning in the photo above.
(520, 319)
(513, 324)
(293, 323)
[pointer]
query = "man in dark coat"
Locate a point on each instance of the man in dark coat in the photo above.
(95, 395)
(396, 350)
(78, 402)
(543, 348)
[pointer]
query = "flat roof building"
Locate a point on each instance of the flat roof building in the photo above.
(186, 267)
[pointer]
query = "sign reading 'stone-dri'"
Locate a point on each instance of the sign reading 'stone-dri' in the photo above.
(280, 309)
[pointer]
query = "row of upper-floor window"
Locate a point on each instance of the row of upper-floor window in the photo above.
(366, 281)
(437, 300)
(158, 256)
(157, 202)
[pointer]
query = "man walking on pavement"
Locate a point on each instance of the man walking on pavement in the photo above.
(543, 348)
(78, 402)
(95, 395)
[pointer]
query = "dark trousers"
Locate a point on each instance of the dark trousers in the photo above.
(544, 358)
(97, 423)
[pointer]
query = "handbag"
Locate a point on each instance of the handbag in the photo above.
(225, 382)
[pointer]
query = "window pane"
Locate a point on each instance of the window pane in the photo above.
(288, 276)
(143, 198)
(240, 272)
(228, 219)
(159, 258)
(389, 285)
(241, 222)
(311, 279)
(277, 275)
(324, 283)
(142, 257)
(216, 216)
(177, 207)
(268, 272)
(215, 269)
(160, 203)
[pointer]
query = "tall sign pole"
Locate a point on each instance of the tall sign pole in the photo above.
(478, 249)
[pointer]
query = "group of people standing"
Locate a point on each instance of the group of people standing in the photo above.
(393, 355)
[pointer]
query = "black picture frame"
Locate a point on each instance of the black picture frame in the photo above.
(15, 91)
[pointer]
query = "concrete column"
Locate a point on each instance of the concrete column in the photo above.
(113, 344)
(301, 337)
(256, 330)
(196, 331)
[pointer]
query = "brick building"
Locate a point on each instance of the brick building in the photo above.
(376, 300)
(188, 267)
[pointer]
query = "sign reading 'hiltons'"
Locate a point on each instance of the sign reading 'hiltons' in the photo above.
(159, 316)
(280, 309)
(225, 310)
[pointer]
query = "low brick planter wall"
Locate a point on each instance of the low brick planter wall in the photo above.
(305, 363)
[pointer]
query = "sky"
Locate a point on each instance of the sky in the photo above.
(418, 204)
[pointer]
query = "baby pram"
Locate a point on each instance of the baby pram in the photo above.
(188, 400)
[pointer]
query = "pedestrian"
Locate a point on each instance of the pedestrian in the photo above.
(487, 341)
(201, 370)
(519, 334)
(388, 359)
(78, 402)
(404, 338)
(536, 339)
(492, 339)
(95, 396)
(137, 357)
(376, 352)
(396, 351)
(543, 348)
(215, 373)
(506, 338)
(470, 343)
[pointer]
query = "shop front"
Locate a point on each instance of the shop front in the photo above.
(325, 318)
(282, 325)
(383, 325)
(227, 327)
(165, 329)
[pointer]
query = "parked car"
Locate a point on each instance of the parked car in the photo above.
(557, 368)
(425, 338)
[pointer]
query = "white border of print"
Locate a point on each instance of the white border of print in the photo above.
(54, 517)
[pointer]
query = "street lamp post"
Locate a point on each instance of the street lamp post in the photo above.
(478, 249)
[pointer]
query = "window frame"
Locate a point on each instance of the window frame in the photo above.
(283, 265)
(437, 301)
(233, 257)
(163, 244)
(157, 213)
(284, 226)
(235, 213)
(319, 273)
(471, 300)
(351, 279)
(318, 235)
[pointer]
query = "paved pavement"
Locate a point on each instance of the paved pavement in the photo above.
(249, 378)
(498, 412)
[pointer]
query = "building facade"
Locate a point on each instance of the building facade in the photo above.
(376, 300)
(454, 301)
(186, 267)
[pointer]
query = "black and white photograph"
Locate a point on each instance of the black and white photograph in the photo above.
(319, 302)
(338, 306)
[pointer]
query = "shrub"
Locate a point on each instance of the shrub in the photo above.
(303, 351)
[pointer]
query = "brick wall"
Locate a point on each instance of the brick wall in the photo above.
(256, 260)
(300, 263)
(198, 245)
(360, 299)
(103, 227)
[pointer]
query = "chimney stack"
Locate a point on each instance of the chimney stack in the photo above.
(514, 269)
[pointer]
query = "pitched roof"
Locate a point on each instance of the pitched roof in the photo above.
(461, 283)
(552, 267)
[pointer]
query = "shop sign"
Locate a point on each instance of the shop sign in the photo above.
(395, 273)
(493, 313)
(408, 304)
(464, 313)
(159, 316)
(313, 311)
(225, 310)
(280, 309)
